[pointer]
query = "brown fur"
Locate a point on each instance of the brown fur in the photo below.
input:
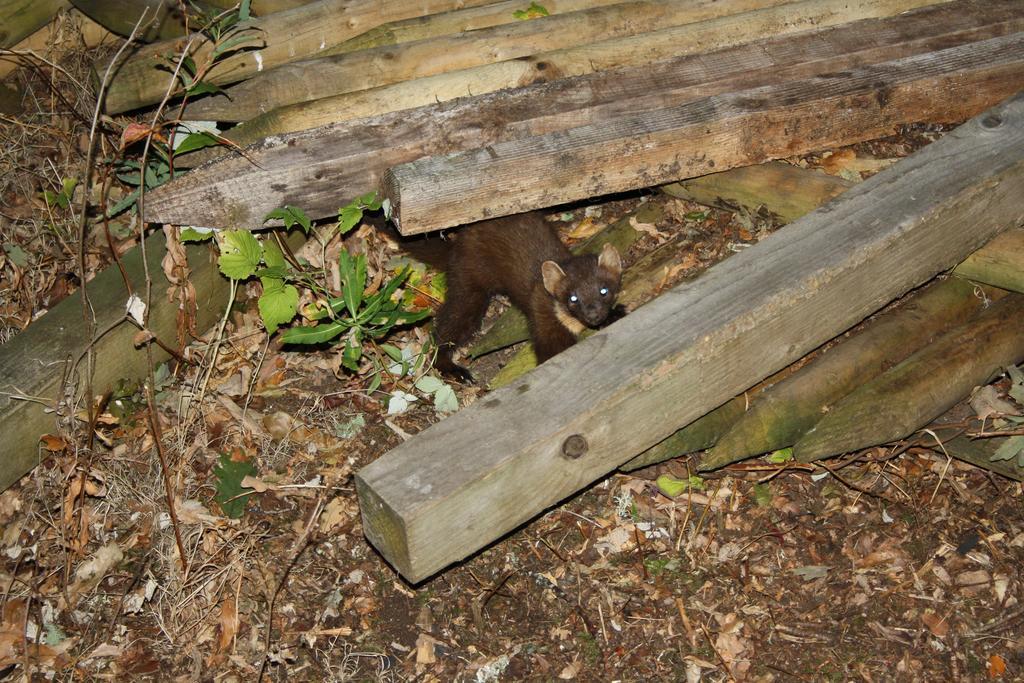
(521, 257)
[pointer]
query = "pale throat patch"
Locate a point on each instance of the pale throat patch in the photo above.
(568, 321)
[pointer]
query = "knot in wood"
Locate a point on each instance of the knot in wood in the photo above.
(991, 121)
(574, 446)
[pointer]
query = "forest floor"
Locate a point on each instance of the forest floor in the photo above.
(900, 565)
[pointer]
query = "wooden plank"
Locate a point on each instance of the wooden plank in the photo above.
(286, 37)
(34, 362)
(21, 18)
(374, 67)
(1000, 263)
(322, 169)
(715, 26)
(477, 475)
(713, 134)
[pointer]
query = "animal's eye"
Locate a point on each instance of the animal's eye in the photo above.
(573, 298)
(604, 291)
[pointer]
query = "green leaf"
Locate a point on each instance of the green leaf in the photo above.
(1013, 447)
(696, 215)
(445, 400)
(196, 141)
(429, 384)
(290, 216)
(353, 279)
(534, 11)
(233, 43)
(230, 495)
(316, 334)
(16, 254)
(205, 88)
(348, 217)
(123, 205)
(781, 456)
(394, 353)
(1016, 384)
(672, 487)
(193, 235)
(239, 254)
(351, 355)
(278, 303)
(243, 10)
(272, 255)
(369, 201)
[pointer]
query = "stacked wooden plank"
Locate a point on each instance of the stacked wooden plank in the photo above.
(620, 128)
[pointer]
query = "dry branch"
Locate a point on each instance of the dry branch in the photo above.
(287, 36)
(925, 385)
(442, 495)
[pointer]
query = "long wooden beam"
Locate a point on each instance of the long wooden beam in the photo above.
(375, 67)
(475, 476)
(721, 25)
(322, 169)
(712, 134)
(283, 37)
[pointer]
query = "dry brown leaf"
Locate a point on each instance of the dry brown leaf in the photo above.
(648, 228)
(53, 443)
(337, 512)
(939, 626)
(228, 624)
(996, 666)
(570, 671)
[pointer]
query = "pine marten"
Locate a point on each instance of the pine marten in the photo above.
(521, 257)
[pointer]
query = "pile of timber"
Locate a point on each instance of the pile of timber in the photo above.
(470, 113)
(715, 85)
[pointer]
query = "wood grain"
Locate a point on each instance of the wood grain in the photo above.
(479, 474)
(323, 169)
(700, 137)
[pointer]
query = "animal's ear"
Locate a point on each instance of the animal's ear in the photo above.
(553, 276)
(610, 260)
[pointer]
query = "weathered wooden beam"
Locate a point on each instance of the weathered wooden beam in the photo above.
(161, 19)
(716, 133)
(92, 35)
(479, 474)
(455, 21)
(999, 263)
(375, 67)
(21, 18)
(33, 363)
(321, 169)
(285, 36)
(715, 25)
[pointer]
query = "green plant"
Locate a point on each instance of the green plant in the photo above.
(227, 32)
(355, 318)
